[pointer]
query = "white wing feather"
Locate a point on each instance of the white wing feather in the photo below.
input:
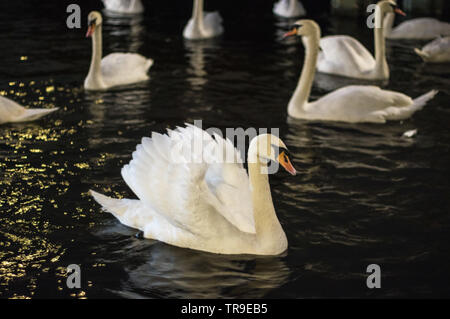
(170, 173)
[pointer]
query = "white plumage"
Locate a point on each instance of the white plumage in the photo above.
(418, 29)
(203, 25)
(354, 103)
(437, 51)
(346, 56)
(124, 6)
(190, 197)
(289, 8)
(114, 69)
(11, 112)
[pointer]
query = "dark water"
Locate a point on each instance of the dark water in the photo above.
(364, 193)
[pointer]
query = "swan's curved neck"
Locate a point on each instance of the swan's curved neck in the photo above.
(303, 90)
(197, 13)
(95, 74)
(266, 221)
(388, 23)
(381, 66)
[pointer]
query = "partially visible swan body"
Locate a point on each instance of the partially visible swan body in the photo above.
(437, 51)
(115, 69)
(415, 29)
(191, 197)
(203, 25)
(352, 104)
(124, 6)
(346, 56)
(289, 9)
(12, 112)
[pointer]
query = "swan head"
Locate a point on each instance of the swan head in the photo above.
(267, 147)
(304, 28)
(390, 6)
(94, 20)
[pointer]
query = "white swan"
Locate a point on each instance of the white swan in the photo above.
(11, 112)
(415, 29)
(346, 56)
(289, 8)
(437, 51)
(190, 197)
(116, 68)
(124, 6)
(203, 25)
(348, 104)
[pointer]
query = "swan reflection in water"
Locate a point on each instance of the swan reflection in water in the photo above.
(197, 53)
(129, 28)
(155, 269)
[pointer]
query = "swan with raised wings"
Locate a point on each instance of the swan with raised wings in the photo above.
(115, 69)
(354, 103)
(346, 56)
(203, 25)
(437, 51)
(124, 6)
(415, 29)
(289, 9)
(191, 197)
(12, 112)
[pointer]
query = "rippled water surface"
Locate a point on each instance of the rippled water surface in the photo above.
(364, 194)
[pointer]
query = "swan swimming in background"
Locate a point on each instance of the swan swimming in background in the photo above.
(352, 104)
(124, 6)
(346, 56)
(415, 29)
(11, 112)
(289, 8)
(437, 51)
(116, 68)
(188, 196)
(203, 25)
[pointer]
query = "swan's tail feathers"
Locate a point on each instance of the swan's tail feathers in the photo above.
(422, 54)
(111, 205)
(402, 113)
(148, 64)
(34, 114)
(422, 100)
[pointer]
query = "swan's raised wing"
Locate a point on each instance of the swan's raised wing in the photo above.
(180, 175)
(347, 52)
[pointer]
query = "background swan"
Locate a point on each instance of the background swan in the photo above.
(116, 68)
(11, 112)
(437, 51)
(188, 196)
(419, 29)
(289, 8)
(346, 56)
(348, 104)
(203, 25)
(124, 6)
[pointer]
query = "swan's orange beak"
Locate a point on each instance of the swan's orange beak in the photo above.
(400, 12)
(290, 33)
(90, 30)
(283, 159)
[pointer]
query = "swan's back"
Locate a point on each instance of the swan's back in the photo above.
(124, 6)
(213, 23)
(356, 103)
(125, 68)
(421, 28)
(436, 51)
(344, 55)
(283, 9)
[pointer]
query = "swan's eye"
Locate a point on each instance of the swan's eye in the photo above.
(93, 21)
